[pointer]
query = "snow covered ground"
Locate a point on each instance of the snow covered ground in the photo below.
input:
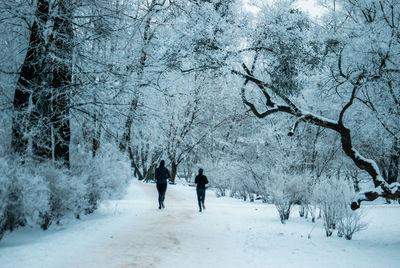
(229, 233)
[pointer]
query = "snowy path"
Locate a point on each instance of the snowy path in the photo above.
(230, 233)
(178, 236)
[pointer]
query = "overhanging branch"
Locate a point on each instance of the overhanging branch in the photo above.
(382, 188)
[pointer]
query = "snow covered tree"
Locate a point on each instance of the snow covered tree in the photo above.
(348, 75)
(147, 32)
(41, 100)
(43, 110)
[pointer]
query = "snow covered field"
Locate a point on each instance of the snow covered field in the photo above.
(229, 233)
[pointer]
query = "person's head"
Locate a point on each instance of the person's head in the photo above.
(162, 163)
(201, 171)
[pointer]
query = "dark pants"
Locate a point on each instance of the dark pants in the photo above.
(161, 188)
(201, 195)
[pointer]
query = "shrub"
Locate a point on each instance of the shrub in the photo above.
(334, 197)
(328, 195)
(42, 193)
(350, 222)
(285, 191)
(11, 203)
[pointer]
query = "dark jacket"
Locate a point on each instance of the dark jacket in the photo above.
(201, 181)
(161, 175)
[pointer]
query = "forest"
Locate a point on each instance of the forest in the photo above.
(275, 104)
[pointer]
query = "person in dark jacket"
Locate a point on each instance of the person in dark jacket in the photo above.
(201, 182)
(161, 176)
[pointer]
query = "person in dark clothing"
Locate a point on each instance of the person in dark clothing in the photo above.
(161, 176)
(201, 182)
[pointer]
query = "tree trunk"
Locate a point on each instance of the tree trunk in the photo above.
(96, 134)
(154, 160)
(126, 137)
(41, 99)
(174, 167)
(393, 170)
(134, 165)
(302, 210)
(61, 82)
(30, 80)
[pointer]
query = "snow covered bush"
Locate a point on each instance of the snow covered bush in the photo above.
(221, 186)
(37, 193)
(37, 198)
(350, 222)
(66, 193)
(11, 203)
(284, 190)
(308, 205)
(243, 188)
(41, 193)
(334, 197)
(107, 176)
(327, 196)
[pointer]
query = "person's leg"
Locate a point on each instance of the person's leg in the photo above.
(159, 189)
(164, 189)
(203, 198)
(199, 198)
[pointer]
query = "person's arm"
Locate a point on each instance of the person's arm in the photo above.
(168, 175)
(156, 174)
(206, 180)
(196, 180)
